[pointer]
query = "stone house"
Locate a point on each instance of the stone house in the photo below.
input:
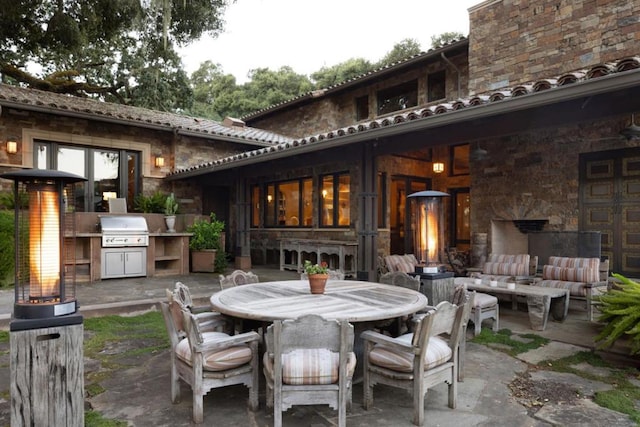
(529, 119)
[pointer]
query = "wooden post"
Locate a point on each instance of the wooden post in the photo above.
(47, 376)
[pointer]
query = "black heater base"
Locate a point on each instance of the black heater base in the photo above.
(45, 322)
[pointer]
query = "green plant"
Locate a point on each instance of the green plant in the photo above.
(7, 247)
(150, 204)
(321, 268)
(206, 233)
(170, 205)
(620, 311)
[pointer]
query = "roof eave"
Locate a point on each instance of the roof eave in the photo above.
(565, 93)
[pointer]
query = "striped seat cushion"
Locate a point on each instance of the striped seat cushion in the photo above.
(310, 366)
(216, 360)
(405, 263)
(576, 289)
(438, 352)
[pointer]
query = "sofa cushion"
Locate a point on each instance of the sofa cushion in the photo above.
(572, 269)
(216, 360)
(576, 289)
(505, 269)
(438, 352)
(310, 366)
(405, 263)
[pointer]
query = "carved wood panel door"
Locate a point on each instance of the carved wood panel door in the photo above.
(610, 203)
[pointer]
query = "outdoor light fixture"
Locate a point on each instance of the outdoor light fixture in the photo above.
(438, 167)
(12, 147)
(428, 228)
(632, 131)
(44, 278)
(159, 161)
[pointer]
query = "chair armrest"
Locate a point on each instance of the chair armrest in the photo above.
(597, 284)
(216, 344)
(378, 338)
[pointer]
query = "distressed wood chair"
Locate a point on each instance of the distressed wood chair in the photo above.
(182, 294)
(419, 360)
(309, 361)
(395, 327)
(207, 360)
(237, 278)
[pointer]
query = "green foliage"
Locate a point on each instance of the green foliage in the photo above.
(117, 50)
(206, 234)
(321, 268)
(352, 68)
(620, 312)
(95, 419)
(445, 38)
(7, 200)
(170, 205)
(154, 203)
(403, 50)
(7, 247)
(507, 344)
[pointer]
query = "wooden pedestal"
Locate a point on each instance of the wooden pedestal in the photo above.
(47, 376)
(437, 287)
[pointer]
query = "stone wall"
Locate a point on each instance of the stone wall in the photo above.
(535, 175)
(517, 41)
(335, 111)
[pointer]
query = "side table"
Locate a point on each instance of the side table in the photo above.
(437, 287)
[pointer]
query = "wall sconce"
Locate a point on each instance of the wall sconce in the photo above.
(438, 167)
(12, 147)
(269, 198)
(159, 161)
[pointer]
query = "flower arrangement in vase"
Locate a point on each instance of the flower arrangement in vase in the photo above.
(318, 275)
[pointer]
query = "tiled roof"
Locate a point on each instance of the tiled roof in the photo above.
(54, 103)
(405, 117)
(392, 67)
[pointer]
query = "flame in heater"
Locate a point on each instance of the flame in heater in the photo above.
(44, 244)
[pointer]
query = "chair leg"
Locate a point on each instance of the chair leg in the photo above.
(496, 321)
(589, 305)
(477, 322)
(175, 382)
(255, 379)
(418, 401)
(198, 416)
(453, 391)
(367, 388)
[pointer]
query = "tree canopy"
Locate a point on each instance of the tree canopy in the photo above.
(117, 50)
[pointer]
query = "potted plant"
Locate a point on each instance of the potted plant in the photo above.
(318, 275)
(170, 209)
(205, 243)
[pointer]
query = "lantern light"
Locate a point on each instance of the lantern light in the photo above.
(428, 226)
(44, 233)
(438, 167)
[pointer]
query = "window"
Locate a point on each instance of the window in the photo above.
(436, 88)
(398, 97)
(362, 107)
(460, 160)
(108, 175)
(335, 200)
(288, 204)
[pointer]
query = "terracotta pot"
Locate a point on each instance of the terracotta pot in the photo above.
(317, 282)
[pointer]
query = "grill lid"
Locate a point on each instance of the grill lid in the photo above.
(123, 224)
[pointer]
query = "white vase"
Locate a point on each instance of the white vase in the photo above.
(170, 220)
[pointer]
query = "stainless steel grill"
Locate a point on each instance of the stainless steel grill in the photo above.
(124, 231)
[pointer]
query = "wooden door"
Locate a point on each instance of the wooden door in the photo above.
(610, 203)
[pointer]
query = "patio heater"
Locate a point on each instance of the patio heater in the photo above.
(46, 332)
(428, 240)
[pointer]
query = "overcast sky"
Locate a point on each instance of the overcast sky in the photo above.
(307, 35)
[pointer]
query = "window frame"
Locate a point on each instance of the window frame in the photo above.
(278, 207)
(408, 88)
(335, 208)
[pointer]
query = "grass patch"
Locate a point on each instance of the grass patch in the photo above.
(95, 419)
(4, 337)
(622, 398)
(117, 342)
(507, 344)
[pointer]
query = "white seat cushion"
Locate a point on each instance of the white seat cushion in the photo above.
(484, 300)
(310, 366)
(438, 352)
(216, 360)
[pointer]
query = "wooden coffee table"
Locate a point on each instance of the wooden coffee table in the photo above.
(540, 301)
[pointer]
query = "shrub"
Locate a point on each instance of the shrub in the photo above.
(620, 311)
(7, 247)
(150, 204)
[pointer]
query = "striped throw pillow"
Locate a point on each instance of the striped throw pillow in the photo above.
(310, 366)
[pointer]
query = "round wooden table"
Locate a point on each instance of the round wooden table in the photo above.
(351, 300)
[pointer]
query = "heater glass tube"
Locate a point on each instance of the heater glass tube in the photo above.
(44, 243)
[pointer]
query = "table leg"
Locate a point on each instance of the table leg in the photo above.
(560, 307)
(538, 308)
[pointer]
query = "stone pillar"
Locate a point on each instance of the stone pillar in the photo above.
(478, 250)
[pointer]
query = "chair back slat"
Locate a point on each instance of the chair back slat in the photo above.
(402, 279)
